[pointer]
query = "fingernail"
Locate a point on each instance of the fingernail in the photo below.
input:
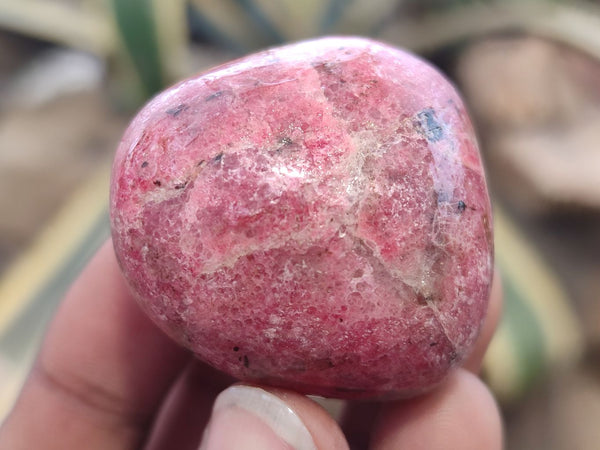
(246, 417)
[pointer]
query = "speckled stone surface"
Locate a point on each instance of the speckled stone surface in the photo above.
(313, 216)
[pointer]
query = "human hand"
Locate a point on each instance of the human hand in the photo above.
(107, 378)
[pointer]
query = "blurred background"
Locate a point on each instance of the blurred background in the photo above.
(73, 72)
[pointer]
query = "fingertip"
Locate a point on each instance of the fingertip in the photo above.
(461, 414)
(251, 417)
(326, 432)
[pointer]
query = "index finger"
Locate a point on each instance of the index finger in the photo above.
(101, 374)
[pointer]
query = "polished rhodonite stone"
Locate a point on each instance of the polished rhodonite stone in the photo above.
(313, 216)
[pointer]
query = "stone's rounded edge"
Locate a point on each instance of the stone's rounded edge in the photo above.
(303, 51)
(166, 306)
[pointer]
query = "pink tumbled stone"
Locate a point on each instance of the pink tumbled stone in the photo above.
(313, 216)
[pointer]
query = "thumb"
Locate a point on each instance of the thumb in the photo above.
(250, 417)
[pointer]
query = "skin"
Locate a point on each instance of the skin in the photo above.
(90, 387)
